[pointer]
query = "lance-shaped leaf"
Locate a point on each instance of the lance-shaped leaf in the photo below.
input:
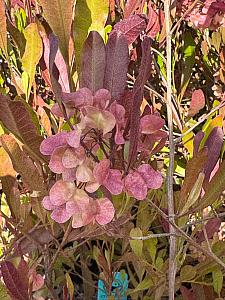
(13, 281)
(189, 60)
(32, 54)
(138, 90)
(194, 193)
(3, 31)
(59, 62)
(59, 14)
(17, 118)
(23, 164)
(90, 15)
(131, 27)
(116, 65)
(214, 188)
(193, 168)
(214, 144)
(93, 62)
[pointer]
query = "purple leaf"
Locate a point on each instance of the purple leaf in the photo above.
(13, 281)
(117, 59)
(197, 141)
(138, 90)
(53, 70)
(93, 62)
(131, 27)
(214, 144)
(211, 227)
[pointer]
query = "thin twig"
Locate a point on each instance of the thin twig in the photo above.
(177, 229)
(184, 15)
(64, 241)
(202, 119)
(151, 236)
(172, 231)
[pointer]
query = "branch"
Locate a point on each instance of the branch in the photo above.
(172, 231)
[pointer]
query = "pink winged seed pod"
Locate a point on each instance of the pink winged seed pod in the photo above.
(82, 175)
(66, 201)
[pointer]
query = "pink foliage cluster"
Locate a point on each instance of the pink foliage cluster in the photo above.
(209, 14)
(75, 155)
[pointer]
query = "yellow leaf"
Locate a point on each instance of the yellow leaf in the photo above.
(32, 54)
(70, 286)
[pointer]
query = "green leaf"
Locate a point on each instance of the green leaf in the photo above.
(189, 60)
(90, 15)
(17, 117)
(194, 194)
(217, 276)
(3, 31)
(145, 284)
(32, 54)
(151, 246)
(70, 286)
(4, 292)
(187, 273)
(59, 15)
(136, 245)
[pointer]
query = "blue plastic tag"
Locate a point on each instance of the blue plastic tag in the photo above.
(119, 287)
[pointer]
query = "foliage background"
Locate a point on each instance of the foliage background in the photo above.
(57, 261)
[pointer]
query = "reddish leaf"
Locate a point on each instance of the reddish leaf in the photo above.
(117, 60)
(211, 227)
(93, 62)
(187, 294)
(13, 281)
(17, 118)
(131, 7)
(138, 90)
(151, 123)
(197, 102)
(131, 27)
